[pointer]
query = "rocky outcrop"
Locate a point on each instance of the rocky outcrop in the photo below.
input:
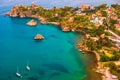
(32, 23)
(22, 15)
(38, 37)
(65, 29)
(42, 20)
(14, 12)
(54, 23)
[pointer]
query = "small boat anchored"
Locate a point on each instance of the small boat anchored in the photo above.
(27, 67)
(18, 74)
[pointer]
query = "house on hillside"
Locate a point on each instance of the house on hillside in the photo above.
(86, 6)
(117, 24)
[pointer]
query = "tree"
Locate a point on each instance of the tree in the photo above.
(112, 66)
(113, 21)
(101, 7)
(116, 6)
(104, 14)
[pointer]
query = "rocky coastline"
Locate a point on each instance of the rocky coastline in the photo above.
(89, 20)
(42, 20)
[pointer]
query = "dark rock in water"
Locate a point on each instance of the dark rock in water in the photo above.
(32, 78)
(57, 67)
(25, 74)
(41, 72)
(54, 36)
(71, 41)
(54, 74)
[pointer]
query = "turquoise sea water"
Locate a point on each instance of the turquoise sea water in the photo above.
(54, 58)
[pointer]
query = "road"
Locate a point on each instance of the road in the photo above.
(108, 75)
(114, 34)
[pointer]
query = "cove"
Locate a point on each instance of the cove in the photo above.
(54, 58)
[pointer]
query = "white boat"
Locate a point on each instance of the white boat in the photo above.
(27, 67)
(18, 74)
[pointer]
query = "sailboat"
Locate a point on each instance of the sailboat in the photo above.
(27, 67)
(18, 74)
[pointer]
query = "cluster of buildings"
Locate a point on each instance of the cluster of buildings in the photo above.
(87, 6)
(117, 24)
(84, 7)
(98, 20)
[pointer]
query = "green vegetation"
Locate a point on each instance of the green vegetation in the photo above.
(101, 7)
(115, 57)
(116, 6)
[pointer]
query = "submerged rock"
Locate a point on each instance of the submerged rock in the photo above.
(55, 74)
(57, 67)
(38, 37)
(32, 78)
(41, 72)
(32, 23)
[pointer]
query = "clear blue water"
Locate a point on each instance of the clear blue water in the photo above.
(54, 58)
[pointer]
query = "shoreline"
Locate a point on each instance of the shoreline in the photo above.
(80, 49)
(95, 66)
(43, 21)
(95, 38)
(92, 67)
